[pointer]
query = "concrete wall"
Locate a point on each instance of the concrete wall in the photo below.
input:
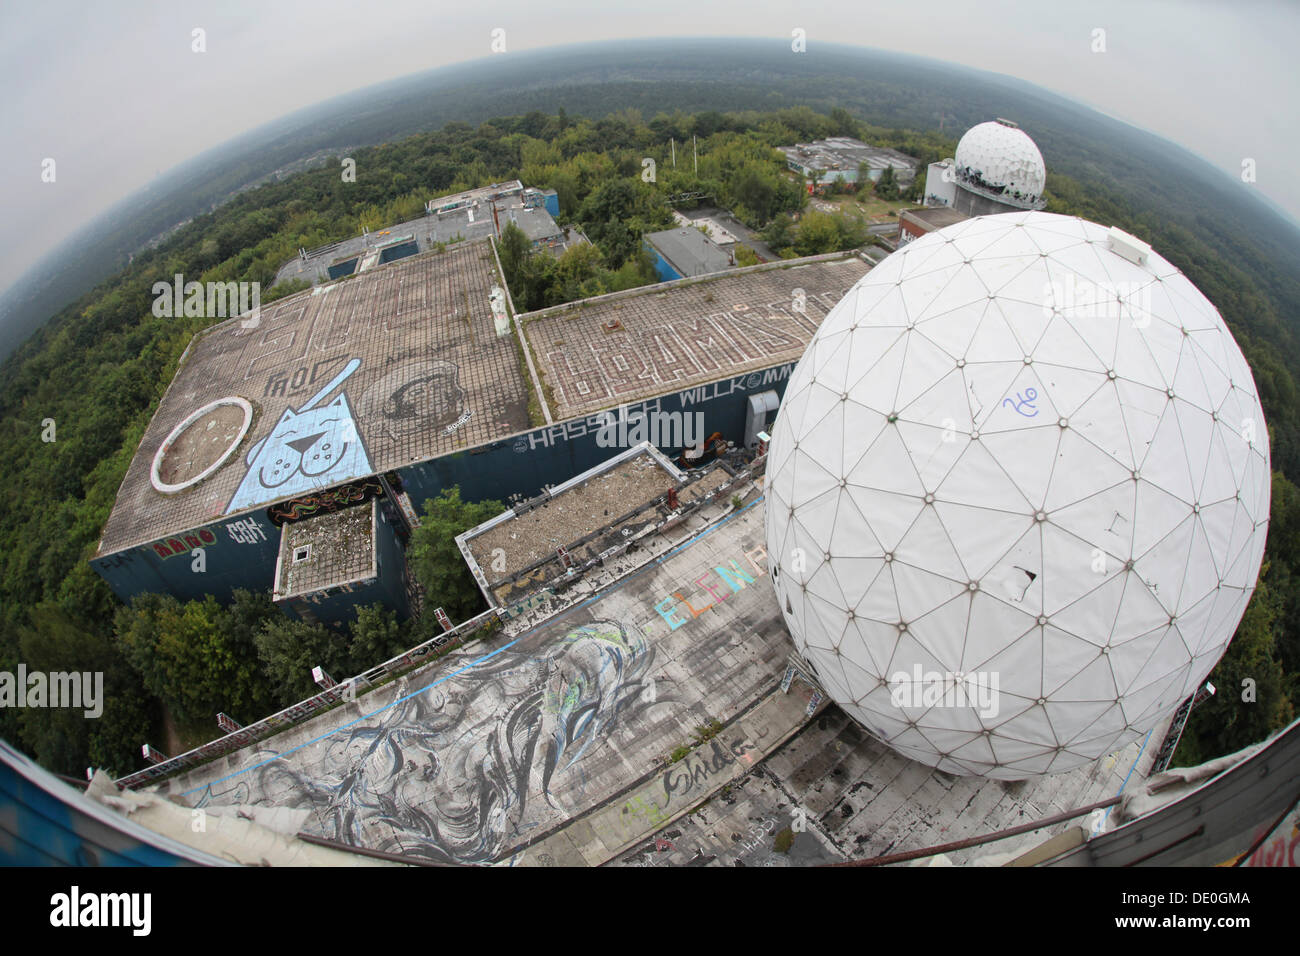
(237, 552)
(973, 204)
(937, 189)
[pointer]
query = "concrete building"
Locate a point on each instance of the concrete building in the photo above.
(684, 252)
(334, 562)
(841, 157)
(405, 380)
(473, 214)
(486, 211)
(915, 223)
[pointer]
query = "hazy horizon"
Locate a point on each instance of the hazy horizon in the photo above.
(79, 75)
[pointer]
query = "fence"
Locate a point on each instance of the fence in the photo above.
(305, 709)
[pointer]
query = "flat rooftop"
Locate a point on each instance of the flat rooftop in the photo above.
(389, 367)
(516, 540)
(326, 551)
(689, 251)
(933, 217)
(555, 732)
(315, 268)
(845, 154)
(461, 216)
(688, 332)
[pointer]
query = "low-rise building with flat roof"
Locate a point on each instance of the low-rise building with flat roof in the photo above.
(915, 223)
(841, 157)
(684, 252)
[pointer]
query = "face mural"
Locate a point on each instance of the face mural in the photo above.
(309, 448)
(415, 396)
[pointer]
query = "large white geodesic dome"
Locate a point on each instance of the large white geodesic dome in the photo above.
(1012, 459)
(1002, 156)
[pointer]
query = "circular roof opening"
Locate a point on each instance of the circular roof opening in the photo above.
(200, 444)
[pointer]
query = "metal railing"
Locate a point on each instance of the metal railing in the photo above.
(306, 709)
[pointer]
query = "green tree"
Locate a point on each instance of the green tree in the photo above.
(887, 185)
(289, 649)
(779, 233)
(66, 740)
(818, 232)
(435, 560)
(197, 657)
(1233, 719)
(513, 250)
(376, 636)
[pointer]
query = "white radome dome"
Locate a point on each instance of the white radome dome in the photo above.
(1003, 156)
(1012, 459)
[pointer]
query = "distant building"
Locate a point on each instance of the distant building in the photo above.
(489, 209)
(915, 223)
(997, 168)
(472, 214)
(683, 252)
(840, 156)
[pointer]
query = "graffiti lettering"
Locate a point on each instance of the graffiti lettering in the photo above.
(1282, 851)
(184, 544)
(735, 578)
(246, 531)
(280, 383)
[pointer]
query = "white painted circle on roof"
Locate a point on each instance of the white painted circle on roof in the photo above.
(233, 400)
(1096, 572)
(1003, 156)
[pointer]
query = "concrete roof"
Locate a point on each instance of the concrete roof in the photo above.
(932, 217)
(588, 705)
(462, 216)
(525, 535)
(849, 153)
(340, 549)
(688, 332)
(408, 352)
(689, 251)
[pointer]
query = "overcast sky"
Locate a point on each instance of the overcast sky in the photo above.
(114, 93)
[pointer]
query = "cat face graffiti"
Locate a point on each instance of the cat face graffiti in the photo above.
(309, 448)
(309, 443)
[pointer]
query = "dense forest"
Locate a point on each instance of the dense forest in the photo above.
(76, 399)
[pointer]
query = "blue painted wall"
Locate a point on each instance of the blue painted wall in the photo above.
(238, 552)
(665, 271)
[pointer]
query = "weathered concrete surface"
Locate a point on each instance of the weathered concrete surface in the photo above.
(854, 798)
(490, 749)
(676, 789)
(549, 746)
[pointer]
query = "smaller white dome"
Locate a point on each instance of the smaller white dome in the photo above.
(999, 160)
